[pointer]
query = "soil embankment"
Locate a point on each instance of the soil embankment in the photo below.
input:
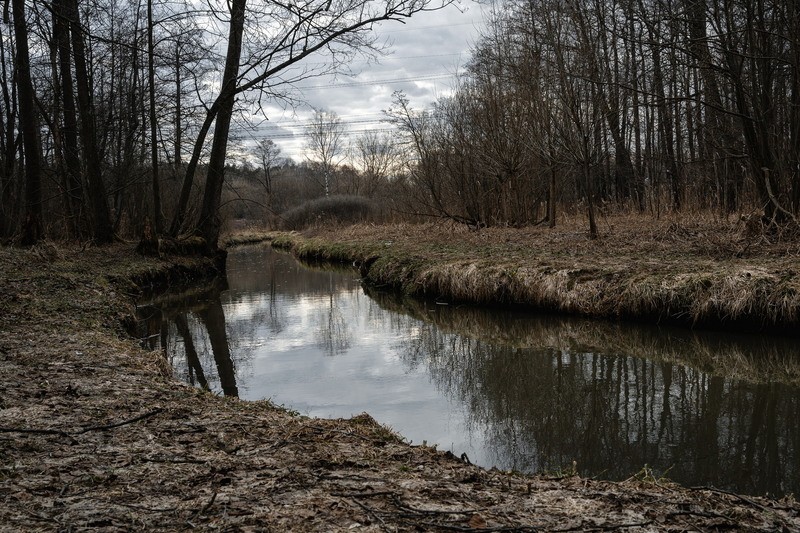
(96, 435)
(700, 275)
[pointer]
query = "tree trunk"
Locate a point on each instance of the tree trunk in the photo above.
(69, 130)
(178, 110)
(587, 169)
(32, 226)
(191, 169)
(101, 220)
(158, 216)
(666, 126)
(9, 142)
(551, 201)
(209, 214)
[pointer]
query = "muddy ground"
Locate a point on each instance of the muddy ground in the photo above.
(95, 434)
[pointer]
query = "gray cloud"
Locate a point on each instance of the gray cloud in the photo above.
(423, 57)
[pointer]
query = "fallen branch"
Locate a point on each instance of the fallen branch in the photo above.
(68, 434)
(118, 424)
(734, 495)
(429, 512)
(774, 200)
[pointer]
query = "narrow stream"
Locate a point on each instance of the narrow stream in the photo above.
(513, 390)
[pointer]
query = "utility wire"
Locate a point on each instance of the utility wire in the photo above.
(377, 82)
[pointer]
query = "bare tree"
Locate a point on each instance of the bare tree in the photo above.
(378, 157)
(101, 220)
(325, 143)
(268, 154)
(29, 124)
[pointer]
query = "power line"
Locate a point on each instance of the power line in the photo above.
(377, 82)
(417, 28)
(305, 134)
(310, 123)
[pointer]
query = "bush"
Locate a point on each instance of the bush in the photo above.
(337, 209)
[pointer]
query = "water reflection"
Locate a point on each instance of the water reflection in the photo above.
(551, 391)
(514, 390)
(195, 313)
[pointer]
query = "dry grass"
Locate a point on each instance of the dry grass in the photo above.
(703, 273)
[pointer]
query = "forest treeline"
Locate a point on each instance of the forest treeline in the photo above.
(647, 105)
(117, 115)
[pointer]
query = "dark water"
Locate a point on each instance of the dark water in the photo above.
(512, 390)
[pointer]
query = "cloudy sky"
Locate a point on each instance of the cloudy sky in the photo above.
(424, 56)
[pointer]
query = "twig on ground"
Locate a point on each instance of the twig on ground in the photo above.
(603, 527)
(371, 512)
(35, 431)
(118, 424)
(174, 460)
(451, 527)
(204, 509)
(362, 494)
(734, 495)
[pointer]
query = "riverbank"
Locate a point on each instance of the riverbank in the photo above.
(699, 274)
(95, 434)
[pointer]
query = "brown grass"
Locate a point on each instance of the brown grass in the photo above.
(704, 273)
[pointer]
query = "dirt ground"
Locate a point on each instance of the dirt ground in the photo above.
(95, 435)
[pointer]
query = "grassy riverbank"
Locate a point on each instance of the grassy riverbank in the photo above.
(95, 434)
(706, 274)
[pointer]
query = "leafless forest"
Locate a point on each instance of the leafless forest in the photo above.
(116, 117)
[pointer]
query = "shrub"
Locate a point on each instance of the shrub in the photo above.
(337, 209)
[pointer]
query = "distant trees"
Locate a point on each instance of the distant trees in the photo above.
(326, 144)
(268, 154)
(378, 158)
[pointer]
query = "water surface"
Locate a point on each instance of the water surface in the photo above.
(514, 390)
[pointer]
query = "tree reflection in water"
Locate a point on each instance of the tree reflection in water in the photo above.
(550, 392)
(533, 393)
(192, 360)
(194, 314)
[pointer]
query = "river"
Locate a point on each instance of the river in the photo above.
(508, 389)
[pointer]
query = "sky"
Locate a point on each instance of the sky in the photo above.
(424, 56)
